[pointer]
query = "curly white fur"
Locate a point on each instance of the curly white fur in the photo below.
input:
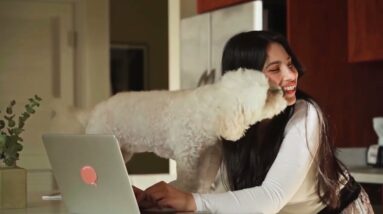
(186, 125)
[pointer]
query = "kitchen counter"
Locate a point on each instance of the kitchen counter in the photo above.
(367, 174)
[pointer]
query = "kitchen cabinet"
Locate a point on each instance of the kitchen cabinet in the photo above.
(205, 6)
(348, 93)
(365, 32)
(203, 38)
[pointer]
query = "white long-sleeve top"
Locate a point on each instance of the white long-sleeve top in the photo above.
(290, 184)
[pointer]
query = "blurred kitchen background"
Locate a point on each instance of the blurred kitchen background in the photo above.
(84, 51)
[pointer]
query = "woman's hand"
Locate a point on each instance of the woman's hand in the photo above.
(142, 199)
(165, 195)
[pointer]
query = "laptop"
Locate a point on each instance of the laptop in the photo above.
(91, 173)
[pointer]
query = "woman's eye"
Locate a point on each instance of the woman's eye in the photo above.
(290, 65)
(274, 70)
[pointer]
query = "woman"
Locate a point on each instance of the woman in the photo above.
(283, 165)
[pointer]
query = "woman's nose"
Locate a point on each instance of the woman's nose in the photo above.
(288, 73)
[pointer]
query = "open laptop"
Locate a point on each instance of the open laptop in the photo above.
(91, 173)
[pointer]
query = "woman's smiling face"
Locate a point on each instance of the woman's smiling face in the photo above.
(280, 71)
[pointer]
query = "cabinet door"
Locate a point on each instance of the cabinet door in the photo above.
(229, 21)
(365, 32)
(195, 33)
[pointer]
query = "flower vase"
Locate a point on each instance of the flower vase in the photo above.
(13, 187)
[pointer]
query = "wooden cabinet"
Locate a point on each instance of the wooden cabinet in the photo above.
(203, 38)
(205, 6)
(349, 93)
(365, 30)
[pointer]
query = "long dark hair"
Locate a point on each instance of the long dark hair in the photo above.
(258, 148)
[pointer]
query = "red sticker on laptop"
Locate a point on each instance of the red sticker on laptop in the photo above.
(89, 175)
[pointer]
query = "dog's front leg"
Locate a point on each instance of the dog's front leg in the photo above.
(187, 174)
(209, 163)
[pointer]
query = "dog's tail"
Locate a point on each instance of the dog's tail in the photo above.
(83, 116)
(68, 119)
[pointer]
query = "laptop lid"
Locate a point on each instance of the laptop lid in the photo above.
(90, 173)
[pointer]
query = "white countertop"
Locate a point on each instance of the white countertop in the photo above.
(37, 206)
(355, 160)
(367, 174)
(362, 174)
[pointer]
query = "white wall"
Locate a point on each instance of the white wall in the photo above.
(92, 60)
(174, 44)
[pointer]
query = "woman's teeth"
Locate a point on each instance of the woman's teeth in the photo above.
(289, 88)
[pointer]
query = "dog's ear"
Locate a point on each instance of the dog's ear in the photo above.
(240, 115)
(231, 125)
(248, 100)
(231, 121)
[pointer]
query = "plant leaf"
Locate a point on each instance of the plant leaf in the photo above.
(12, 140)
(21, 122)
(2, 143)
(9, 117)
(9, 110)
(17, 131)
(25, 116)
(10, 160)
(18, 146)
(2, 124)
(10, 131)
(38, 98)
(13, 148)
(29, 109)
(22, 118)
(11, 123)
(20, 139)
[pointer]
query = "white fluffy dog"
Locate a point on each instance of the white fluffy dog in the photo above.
(186, 125)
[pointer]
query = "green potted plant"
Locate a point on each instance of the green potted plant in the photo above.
(13, 178)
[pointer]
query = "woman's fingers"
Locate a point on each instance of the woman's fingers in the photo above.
(161, 193)
(158, 190)
(157, 186)
(140, 194)
(165, 203)
(147, 204)
(137, 191)
(165, 195)
(143, 200)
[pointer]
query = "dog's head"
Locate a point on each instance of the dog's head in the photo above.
(248, 98)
